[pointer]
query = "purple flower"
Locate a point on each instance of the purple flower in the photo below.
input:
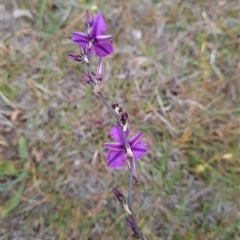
(94, 40)
(116, 154)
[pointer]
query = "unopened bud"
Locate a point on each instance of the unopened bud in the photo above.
(82, 58)
(130, 224)
(132, 227)
(117, 108)
(99, 70)
(88, 18)
(75, 57)
(118, 194)
(124, 118)
(122, 200)
(115, 105)
(86, 77)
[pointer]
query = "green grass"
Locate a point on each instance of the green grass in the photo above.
(180, 88)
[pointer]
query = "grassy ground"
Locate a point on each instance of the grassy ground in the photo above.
(174, 70)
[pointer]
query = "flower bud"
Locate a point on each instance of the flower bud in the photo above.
(75, 57)
(124, 118)
(88, 18)
(130, 225)
(86, 77)
(118, 194)
(99, 70)
(82, 58)
(116, 107)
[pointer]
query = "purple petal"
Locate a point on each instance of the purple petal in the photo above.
(115, 159)
(98, 26)
(139, 149)
(116, 133)
(103, 49)
(80, 38)
(114, 145)
(103, 38)
(134, 139)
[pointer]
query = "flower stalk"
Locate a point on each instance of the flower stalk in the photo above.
(124, 149)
